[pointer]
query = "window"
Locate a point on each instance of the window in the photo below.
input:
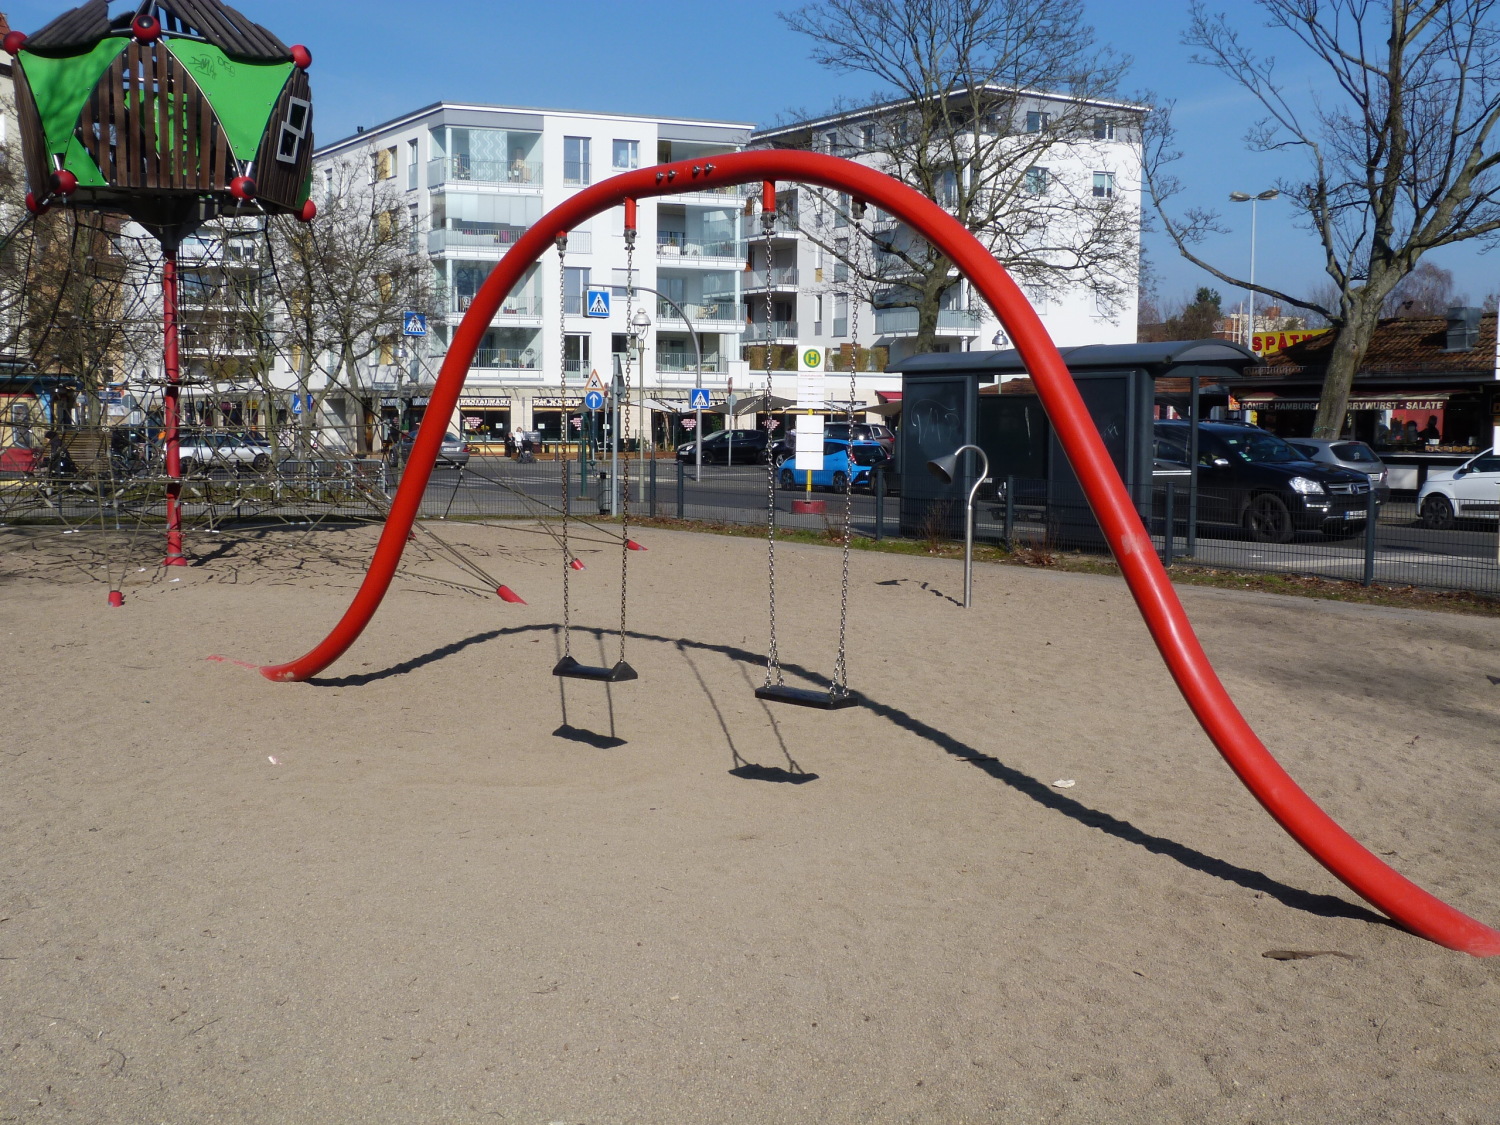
(293, 130)
(832, 141)
(947, 188)
(841, 210)
(867, 136)
(411, 165)
(1104, 129)
(576, 160)
(414, 229)
(627, 154)
(576, 349)
(575, 281)
(1037, 120)
(383, 164)
(1036, 180)
(1104, 185)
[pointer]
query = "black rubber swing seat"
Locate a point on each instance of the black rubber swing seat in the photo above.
(805, 697)
(613, 674)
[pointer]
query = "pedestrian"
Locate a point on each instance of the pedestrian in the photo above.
(1429, 432)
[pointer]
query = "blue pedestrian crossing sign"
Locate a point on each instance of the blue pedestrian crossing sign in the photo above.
(596, 302)
(698, 400)
(413, 324)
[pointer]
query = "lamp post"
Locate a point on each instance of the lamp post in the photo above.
(698, 364)
(1246, 197)
(945, 468)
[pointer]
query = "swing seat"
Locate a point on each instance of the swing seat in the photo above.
(805, 697)
(570, 669)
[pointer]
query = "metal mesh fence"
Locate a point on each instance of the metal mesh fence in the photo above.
(1346, 538)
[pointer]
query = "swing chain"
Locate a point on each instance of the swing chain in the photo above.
(774, 676)
(624, 434)
(562, 292)
(840, 683)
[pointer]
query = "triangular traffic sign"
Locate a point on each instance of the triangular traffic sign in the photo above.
(595, 383)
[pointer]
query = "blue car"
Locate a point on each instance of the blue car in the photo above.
(844, 463)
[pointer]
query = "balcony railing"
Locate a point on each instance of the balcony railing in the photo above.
(780, 330)
(464, 169)
(580, 242)
(679, 246)
(782, 275)
(718, 310)
(514, 305)
(892, 321)
(525, 359)
(785, 224)
(686, 361)
(473, 238)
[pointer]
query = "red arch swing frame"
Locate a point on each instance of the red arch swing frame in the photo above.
(1365, 874)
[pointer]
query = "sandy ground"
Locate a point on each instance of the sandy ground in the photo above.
(471, 892)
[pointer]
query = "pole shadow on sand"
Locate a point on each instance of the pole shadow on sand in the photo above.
(1322, 905)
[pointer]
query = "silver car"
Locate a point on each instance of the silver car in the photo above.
(1344, 454)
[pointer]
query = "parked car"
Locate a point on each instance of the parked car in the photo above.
(454, 450)
(844, 463)
(1252, 479)
(781, 448)
(728, 447)
(1341, 454)
(202, 452)
(1469, 492)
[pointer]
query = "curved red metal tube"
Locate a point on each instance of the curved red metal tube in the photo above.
(1293, 809)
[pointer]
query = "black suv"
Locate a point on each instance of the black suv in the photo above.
(1250, 478)
(732, 447)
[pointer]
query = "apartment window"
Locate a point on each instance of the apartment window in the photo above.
(947, 188)
(576, 349)
(1104, 185)
(867, 136)
(841, 211)
(411, 165)
(1036, 180)
(832, 141)
(576, 160)
(1037, 120)
(1104, 129)
(627, 154)
(383, 164)
(414, 229)
(575, 281)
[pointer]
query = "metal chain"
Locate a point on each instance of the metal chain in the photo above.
(839, 686)
(625, 433)
(562, 336)
(773, 657)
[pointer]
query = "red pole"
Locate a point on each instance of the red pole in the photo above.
(1296, 812)
(170, 409)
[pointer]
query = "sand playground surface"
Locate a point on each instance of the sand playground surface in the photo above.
(440, 885)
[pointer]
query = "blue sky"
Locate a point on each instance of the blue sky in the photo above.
(377, 59)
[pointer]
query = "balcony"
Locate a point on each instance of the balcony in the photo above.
(514, 359)
(474, 237)
(903, 322)
(781, 277)
(716, 314)
(679, 362)
(781, 330)
(463, 169)
(674, 245)
(515, 308)
(785, 226)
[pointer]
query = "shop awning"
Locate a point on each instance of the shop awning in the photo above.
(755, 404)
(1367, 401)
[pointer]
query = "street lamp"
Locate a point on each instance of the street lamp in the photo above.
(945, 468)
(1246, 197)
(1001, 340)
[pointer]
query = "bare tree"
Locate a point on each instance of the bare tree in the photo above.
(1426, 291)
(1398, 138)
(345, 280)
(980, 104)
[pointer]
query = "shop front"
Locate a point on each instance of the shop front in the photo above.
(486, 419)
(552, 420)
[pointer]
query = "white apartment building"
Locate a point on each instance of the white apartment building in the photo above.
(809, 283)
(474, 178)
